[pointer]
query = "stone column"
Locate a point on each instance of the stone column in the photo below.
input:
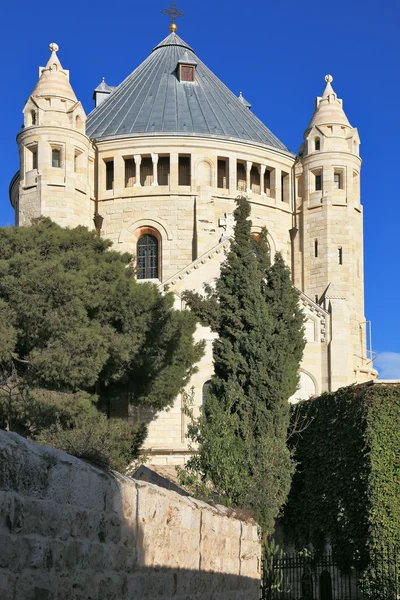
(173, 171)
(138, 162)
(262, 168)
(154, 158)
(249, 164)
(232, 176)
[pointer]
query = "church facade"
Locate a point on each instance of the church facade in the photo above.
(156, 168)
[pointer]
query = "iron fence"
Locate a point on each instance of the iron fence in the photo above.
(319, 577)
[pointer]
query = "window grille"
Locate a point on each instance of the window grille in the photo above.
(147, 257)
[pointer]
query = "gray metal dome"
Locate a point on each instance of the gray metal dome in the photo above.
(152, 101)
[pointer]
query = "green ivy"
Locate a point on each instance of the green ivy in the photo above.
(346, 489)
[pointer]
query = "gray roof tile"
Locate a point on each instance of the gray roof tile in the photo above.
(153, 101)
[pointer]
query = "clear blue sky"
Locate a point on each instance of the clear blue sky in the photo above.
(277, 53)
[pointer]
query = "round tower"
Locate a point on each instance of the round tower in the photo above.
(331, 245)
(56, 159)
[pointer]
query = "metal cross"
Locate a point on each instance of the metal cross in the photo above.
(172, 12)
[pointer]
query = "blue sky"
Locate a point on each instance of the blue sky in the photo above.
(277, 53)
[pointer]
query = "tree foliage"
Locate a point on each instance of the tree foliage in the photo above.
(73, 319)
(242, 430)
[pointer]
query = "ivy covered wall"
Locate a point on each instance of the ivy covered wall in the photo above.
(346, 489)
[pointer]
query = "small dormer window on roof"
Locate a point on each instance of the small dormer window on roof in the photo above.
(186, 68)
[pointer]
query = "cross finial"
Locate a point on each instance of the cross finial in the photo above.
(173, 12)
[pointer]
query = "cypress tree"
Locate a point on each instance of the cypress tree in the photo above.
(241, 433)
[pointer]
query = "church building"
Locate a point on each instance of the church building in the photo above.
(156, 166)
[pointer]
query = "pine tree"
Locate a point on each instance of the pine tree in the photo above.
(73, 319)
(241, 433)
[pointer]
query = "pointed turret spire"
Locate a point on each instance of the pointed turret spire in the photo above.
(53, 79)
(328, 108)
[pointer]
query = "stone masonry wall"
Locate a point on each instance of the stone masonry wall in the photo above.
(69, 531)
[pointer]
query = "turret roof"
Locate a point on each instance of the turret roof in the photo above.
(153, 101)
(328, 108)
(54, 80)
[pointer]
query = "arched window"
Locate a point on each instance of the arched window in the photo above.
(204, 392)
(147, 257)
(317, 143)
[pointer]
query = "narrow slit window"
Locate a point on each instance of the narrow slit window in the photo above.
(255, 183)
(34, 157)
(340, 255)
(56, 158)
(316, 248)
(317, 144)
(337, 180)
(109, 174)
(316, 299)
(318, 182)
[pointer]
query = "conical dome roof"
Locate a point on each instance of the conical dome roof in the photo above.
(329, 108)
(54, 80)
(152, 101)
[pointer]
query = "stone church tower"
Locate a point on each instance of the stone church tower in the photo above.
(156, 167)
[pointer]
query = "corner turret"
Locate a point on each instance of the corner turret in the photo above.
(331, 249)
(56, 160)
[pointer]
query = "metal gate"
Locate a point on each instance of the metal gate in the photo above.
(294, 577)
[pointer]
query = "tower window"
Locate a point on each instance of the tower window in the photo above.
(184, 170)
(163, 170)
(109, 174)
(337, 180)
(130, 172)
(340, 255)
(33, 117)
(187, 73)
(56, 158)
(317, 144)
(147, 257)
(318, 182)
(316, 248)
(223, 173)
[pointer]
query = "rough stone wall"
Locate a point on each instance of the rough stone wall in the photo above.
(70, 531)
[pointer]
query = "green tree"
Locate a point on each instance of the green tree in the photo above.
(242, 431)
(73, 319)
